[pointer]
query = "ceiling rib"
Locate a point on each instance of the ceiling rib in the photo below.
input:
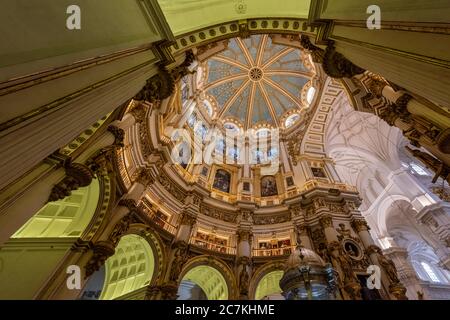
(276, 57)
(289, 73)
(288, 94)
(232, 99)
(262, 46)
(269, 103)
(250, 107)
(231, 62)
(244, 49)
(226, 79)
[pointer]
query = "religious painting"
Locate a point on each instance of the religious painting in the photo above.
(268, 186)
(246, 186)
(289, 181)
(204, 171)
(222, 181)
(318, 172)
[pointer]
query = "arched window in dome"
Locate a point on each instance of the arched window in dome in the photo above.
(222, 181)
(272, 153)
(231, 126)
(310, 94)
(418, 169)
(291, 120)
(268, 186)
(259, 156)
(202, 130)
(429, 271)
(220, 146)
(192, 120)
(261, 133)
(233, 153)
(208, 107)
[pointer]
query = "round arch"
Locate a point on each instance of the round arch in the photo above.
(260, 273)
(66, 218)
(221, 273)
(383, 210)
(210, 280)
(130, 268)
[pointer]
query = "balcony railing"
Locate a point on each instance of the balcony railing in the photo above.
(316, 183)
(201, 243)
(164, 224)
(285, 251)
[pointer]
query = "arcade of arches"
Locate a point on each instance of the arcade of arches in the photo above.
(225, 150)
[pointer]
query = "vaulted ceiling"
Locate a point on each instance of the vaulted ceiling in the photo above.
(255, 81)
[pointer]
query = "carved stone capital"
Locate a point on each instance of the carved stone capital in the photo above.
(326, 221)
(77, 175)
(119, 135)
(402, 102)
(315, 52)
(360, 225)
(145, 177)
(120, 228)
(244, 261)
(159, 87)
(102, 251)
(375, 85)
(180, 71)
(102, 162)
(295, 209)
(244, 235)
(398, 290)
(301, 229)
(188, 219)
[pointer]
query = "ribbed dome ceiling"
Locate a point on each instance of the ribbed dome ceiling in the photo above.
(255, 81)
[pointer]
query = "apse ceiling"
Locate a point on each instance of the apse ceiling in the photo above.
(255, 81)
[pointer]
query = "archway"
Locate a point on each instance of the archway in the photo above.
(268, 287)
(209, 279)
(129, 269)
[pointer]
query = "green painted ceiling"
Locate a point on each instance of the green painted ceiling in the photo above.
(256, 81)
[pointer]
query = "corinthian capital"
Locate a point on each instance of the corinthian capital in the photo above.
(77, 175)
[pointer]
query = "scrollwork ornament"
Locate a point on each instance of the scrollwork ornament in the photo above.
(119, 135)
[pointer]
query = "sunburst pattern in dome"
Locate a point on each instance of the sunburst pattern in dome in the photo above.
(256, 81)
